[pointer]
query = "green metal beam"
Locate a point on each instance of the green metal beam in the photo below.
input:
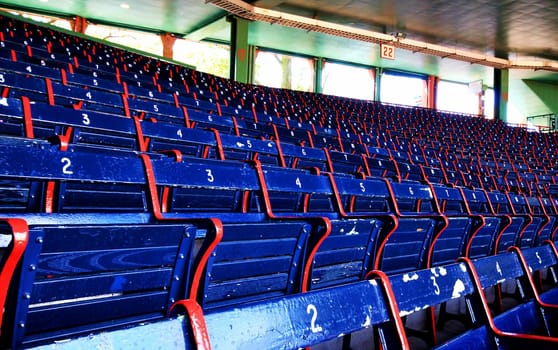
(318, 74)
(241, 58)
(378, 90)
(501, 94)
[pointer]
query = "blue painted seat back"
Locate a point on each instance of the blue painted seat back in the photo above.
(495, 269)
(420, 289)
(541, 209)
(310, 318)
(255, 261)
(433, 174)
(346, 163)
(245, 148)
(49, 122)
(297, 192)
(406, 247)
(483, 242)
(348, 252)
(511, 234)
(293, 322)
(381, 167)
(16, 85)
(94, 82)
(304, 157)
(84, 180)
(451, 242)
(364, 197)
(409, 171)
(89, 98)
(78, 279)
(205, 187)
(189, 142)
(534, 223)
(30, 69)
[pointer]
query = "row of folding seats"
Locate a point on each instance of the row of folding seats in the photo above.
(376, 306)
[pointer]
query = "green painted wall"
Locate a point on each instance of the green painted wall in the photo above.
(528, 97)
(547, 92)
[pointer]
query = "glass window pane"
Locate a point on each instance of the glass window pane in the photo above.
(348, 81)
(284, 71)
(403, 90)
(489, 103)
(58, 22)
(207, 57)
(146, 42)
(457, 97)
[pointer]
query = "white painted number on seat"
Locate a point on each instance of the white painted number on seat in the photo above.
(85, 120)
(311, 309)
(210, 177)
(435, 284)
(67, 163)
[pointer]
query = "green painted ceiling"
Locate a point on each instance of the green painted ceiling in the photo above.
(508, 27)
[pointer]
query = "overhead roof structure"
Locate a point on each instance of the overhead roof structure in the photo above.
(501, 34)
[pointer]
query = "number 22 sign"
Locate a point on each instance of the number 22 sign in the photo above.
(387, 51)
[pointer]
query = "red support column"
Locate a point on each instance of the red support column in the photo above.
(432, 86)
(168, 43)
(79, 24)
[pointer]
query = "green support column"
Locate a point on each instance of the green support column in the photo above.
(378, 89)
(501, 89)
(241, 55)
(318, 75)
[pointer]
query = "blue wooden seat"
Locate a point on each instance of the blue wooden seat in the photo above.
(482, 242)
(90, 228)
(153, 109)
(451, 243)
(79, 180)
(526, 323)
(204, 120)
(434, 175)
(65, 125)
(293, 136)
(16, 85)
(302, 157)
(513, 225)
(344, 250)
(175, 139)
(409, 171)
(538, 259)
(93, 82)
(546, 210)
(380, 167)
(533, 223)
(427, 288)
(311, 318)
(511, 329)
(255, 257)
(406, 247)
(86, 278)
(346, 163)
(378, 152)
(245, 148)
(86, 98)
(30, 69)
